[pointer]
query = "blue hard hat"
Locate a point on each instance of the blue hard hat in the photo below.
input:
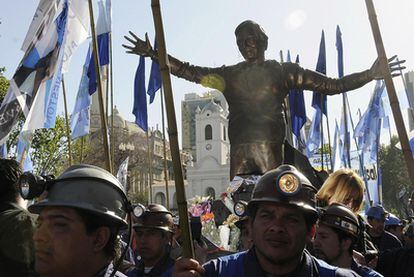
(377, 212)
(392, 220)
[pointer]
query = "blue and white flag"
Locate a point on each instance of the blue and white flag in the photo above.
(319, 103)
(22, 152)
(3, 151)
(103, 30)
(368, 130)
(318, 99)
(77, 26)
(123, 174)
(154, 82)
(42, 114)
(48, 46)
(80, 118)
(336, 146)
(345, 134)
(339, 48)
(314, 139)
(37, 65)
(140, 98)
(411, 140)
(297, 113)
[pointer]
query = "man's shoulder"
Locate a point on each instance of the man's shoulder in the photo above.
(390, 236)
(16, 218)
(228, 258)
(369, 272)
(392, 239)
(225, 265)
(327, 270)
(364, 271)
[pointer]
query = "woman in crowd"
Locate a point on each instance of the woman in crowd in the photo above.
(346, 187)
(343, 186)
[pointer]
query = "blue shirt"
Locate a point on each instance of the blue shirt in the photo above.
(245, 264)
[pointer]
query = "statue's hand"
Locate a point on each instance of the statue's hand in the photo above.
(395, 68)
(139, 47)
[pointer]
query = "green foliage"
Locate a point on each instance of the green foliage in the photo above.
(80, 149)
(138, 197)
(4, 84)
(50, 150)
(394, 177)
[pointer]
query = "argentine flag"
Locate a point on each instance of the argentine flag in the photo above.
(103, 29)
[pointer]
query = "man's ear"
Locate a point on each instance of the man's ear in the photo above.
(101, 238)
(346, 243)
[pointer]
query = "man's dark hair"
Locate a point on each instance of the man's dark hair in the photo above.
(256, 28)
(92, 222)
(10, 172)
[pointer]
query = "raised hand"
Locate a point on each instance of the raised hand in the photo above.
(139, 47)
(395, 68)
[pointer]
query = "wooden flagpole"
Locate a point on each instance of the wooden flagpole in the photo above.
(329, 142)
(112, 98)
(149, 147)
(67, 121)
(188, 249)
(345, 111)
(395, 107)
(165, 149)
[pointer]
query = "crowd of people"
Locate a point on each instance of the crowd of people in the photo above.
(78, 226)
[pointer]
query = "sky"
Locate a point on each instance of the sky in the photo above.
(202, 33)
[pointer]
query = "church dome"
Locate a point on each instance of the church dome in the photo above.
(119, 121)
(212, 107)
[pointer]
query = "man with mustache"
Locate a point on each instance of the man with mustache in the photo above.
(336, 235)
(282, 217)
(78, 223)
(381, 238)
(154, 235)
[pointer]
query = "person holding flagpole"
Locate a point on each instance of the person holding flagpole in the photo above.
(255, 90)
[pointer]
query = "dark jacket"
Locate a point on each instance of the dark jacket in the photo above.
(163, 268)
(396, 263)
(364, 271)
(386, 241)
(16, 243)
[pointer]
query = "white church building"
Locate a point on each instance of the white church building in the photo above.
(208, 173)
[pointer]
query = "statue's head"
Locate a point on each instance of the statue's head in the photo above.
(251, 40)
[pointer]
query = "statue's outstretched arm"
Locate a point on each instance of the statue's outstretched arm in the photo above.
(206, 76)
(298, 77)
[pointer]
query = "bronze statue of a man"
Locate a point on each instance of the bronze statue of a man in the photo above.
(255, 90)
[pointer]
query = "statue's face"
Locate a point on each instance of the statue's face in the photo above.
(249, 45)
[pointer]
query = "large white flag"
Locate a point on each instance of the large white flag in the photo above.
(77, 29)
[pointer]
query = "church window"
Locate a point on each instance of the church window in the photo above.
(208, 132)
